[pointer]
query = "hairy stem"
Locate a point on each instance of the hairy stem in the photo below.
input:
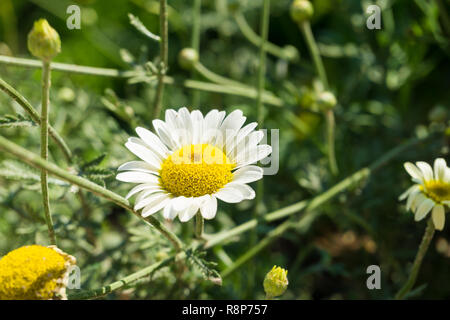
(46, 75)
(36, 117)
(423, 248)
(199, 225)
(39, 163)
(97, 293)
(164, 48)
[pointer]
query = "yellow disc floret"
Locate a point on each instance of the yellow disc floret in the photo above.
(34, 273)
(439, 191)
(196, 170)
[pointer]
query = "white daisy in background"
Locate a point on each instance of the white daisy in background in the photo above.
(431, 191)
(192, 161)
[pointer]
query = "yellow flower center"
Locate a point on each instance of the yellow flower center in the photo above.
(31, 273)
(437, 190)
(196, 170)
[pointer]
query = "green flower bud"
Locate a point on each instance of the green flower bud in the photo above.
(275, 282)
(43, 41)
(326, 100)
(187, 58)
(301, 10)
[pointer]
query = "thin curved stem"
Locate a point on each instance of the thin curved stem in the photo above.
(39, 163)
(97, 293)
(36, 117)
(214, 77)
(329, 114)
(255, 39)
(164, 48)
(46, 82)
(423, 248)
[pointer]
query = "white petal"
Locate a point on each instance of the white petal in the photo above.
(169, 212)
(209, 207)
(405, 194)
(197, 126)
(229, 194)
(246, 191)
(248, 174)
(418, 201)
(151, 199)
(240, 137)
(440, 166)
(142, 187)
(254, 155)
(438, 215)
(165, 135)
(412, 198)
(144, 153)
(413, 171)
(155, 206)
(137, 177)
(181, 203)
(153, 142)
(423, 209)
(189, 212)
(426, 169)
(141, 166)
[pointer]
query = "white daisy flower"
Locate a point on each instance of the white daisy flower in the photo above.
(431, 191)
(192, 161)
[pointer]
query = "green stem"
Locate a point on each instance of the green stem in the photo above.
(423, 248)
(314, 51)
(36, 117)
(39, 163)
(255, 39)
(195, 43)
(164, 49)
(46, 75)
(329, 115)
(97, 293)
(72, 68)
(242, 90)
(214, 77)
(308, 205)
(199, 225)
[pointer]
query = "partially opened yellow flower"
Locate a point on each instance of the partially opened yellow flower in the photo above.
(34, 273)
(431, 191)
(192, 161)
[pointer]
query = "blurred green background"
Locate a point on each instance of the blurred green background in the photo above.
(391, 84)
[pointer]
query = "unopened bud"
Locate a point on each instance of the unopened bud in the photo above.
(187, 58)
(275, 282)
(43, 41)
(301, 10)
(326, 100)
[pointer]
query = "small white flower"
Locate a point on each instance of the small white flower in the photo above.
(192, 161)
(431, 191)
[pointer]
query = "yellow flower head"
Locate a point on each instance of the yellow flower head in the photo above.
(34, 273)
(276, 282)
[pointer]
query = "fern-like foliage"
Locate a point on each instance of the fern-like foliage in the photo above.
(197, 259)
(17, 120)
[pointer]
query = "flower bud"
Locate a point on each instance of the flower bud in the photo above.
(326, 100)
(275, 282)
(187, 58)
(301, 10)
(43, 41)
